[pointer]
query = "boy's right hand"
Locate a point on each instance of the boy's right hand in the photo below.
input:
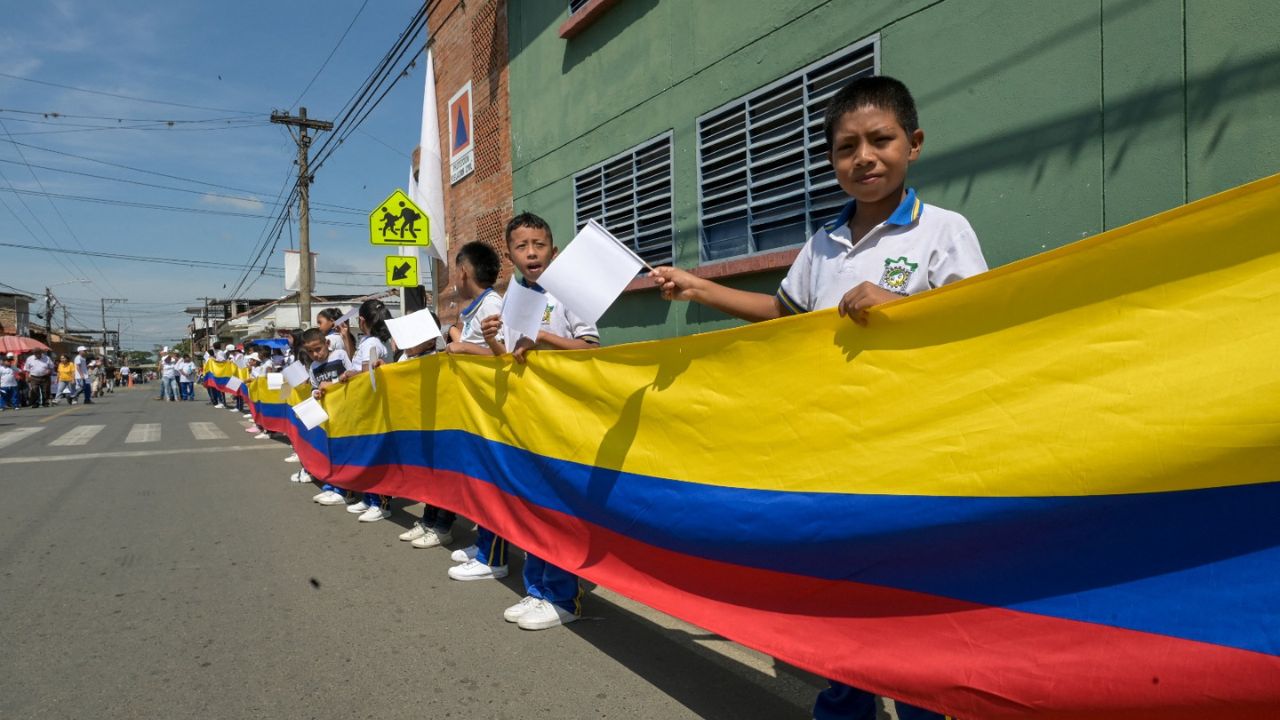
(676, 284)
(490, 326)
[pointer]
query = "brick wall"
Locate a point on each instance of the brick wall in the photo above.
(470, 44)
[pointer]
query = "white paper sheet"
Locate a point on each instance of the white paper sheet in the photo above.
(234, 384)
(413, 329)
(311, 413)
(347, 316)
(295, 374)
(275, 380)
(591, 273)
(241, 361)
(522, 310)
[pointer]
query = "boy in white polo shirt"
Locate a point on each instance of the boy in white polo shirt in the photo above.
(884, 245)
(553, 596)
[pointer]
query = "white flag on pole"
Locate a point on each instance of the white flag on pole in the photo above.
(311, 413)
(427, 188)
(592, 272)
(522, 310)
(413, 329)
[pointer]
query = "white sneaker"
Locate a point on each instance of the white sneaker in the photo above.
(320, 495)
(374, 514)
(262, 436)
(292, 458)
(301, 476)
(465, 554)
(333, 499)
(513, 613)
(545, 615)
(432, 539)
(252, 429)
(248, 416)
(476, 570)
(219, 406)
(233, 409)
(358, 507)
(415, 532)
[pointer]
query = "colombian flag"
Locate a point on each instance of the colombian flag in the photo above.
(1047, 491)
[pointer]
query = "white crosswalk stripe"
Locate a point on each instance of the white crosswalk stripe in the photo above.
(206, 431)
(143, 433)
(17, 435)
(80, 435)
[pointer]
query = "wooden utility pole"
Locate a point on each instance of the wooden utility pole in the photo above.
(304, 204)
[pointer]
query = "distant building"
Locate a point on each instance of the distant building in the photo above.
(15, 314)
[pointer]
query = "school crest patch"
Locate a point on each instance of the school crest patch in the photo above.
(546, 314)
(897, 272)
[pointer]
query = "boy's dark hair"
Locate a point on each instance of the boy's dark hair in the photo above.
(878, 91)
(311, 335)
(483, 260)
(528, 220)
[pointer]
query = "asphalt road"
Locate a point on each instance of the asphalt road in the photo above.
(150, 568)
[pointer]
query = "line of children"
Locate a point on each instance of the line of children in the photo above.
(885, 244)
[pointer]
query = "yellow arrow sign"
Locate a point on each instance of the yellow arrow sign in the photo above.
(397, 221)
(402, 271)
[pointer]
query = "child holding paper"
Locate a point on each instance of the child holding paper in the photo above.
(476, 270)
(436, 526)
(372, 352)
(885, 244)
(553, 595)
(327, 368)
(476, 267)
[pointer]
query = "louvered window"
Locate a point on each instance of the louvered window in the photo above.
(576, 5)
(630, 195)
(763, 177)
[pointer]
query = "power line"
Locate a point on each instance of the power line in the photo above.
(124, 97)
(187, 262)
(168, 208)
(241, 126)
(163, 175)
(202, 193)
(55, 114)
(330, 55)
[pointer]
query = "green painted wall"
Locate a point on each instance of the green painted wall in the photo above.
(1046, 121)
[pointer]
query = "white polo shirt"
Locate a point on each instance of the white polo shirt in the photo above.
(370, 350)
(489, 303)
(917, 248)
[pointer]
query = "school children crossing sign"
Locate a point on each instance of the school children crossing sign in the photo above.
(397, 221)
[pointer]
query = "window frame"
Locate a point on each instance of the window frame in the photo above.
(667, 136)
(852, 52)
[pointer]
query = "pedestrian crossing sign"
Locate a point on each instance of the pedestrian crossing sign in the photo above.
(397, 221)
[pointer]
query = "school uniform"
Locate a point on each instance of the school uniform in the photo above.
(917, 248)
(542, 580)
(492, 550)
(370, 350)
(329, 371)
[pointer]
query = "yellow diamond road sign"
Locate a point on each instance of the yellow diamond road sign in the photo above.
(397, 221)
(402, 271)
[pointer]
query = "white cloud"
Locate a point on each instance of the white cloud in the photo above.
(246, 204)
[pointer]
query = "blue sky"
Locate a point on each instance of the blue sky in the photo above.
(245, 57)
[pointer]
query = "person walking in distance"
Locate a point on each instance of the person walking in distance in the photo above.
(39, 367)
(82, 379)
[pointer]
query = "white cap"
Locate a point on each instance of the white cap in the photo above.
(229, 346)
(11, 355)
(254, 356)
(81, 349)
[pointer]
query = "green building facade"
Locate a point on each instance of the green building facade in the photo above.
(689, 124)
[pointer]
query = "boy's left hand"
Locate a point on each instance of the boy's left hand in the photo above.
(522, 350)
(864, 296)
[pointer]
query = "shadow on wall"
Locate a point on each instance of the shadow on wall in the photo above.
(1035, 145)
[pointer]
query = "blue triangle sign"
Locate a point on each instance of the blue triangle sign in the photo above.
(460, 134)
